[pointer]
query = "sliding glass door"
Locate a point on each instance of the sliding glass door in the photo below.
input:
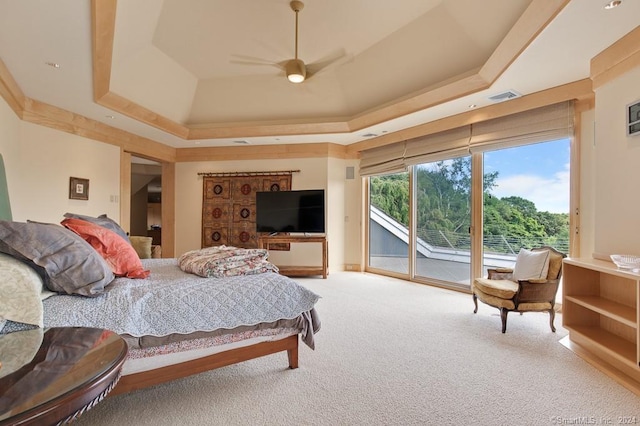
(389, 223)
(419, 222)
(473, 196)
(443, 217)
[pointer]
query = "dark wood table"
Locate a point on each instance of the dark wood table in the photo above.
(54, 375)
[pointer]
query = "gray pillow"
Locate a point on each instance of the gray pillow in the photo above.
(103, 221)
(67, 263)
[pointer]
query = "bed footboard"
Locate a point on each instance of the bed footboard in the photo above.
(156, 376)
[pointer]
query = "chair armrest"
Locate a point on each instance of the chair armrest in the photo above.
(500, 273)
(541, 290)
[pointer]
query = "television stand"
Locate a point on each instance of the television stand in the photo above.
(299, 271)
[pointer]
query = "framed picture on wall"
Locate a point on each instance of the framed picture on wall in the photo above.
(78, 188)
(633, 118)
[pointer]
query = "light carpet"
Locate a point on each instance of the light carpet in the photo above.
(391, 352)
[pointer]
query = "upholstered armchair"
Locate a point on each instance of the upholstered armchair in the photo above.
(145, 248)
(530, 286)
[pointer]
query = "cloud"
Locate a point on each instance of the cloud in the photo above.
(548, 193)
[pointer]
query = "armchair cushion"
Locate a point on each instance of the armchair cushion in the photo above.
(497, 302)
(531, 264)
(503, 289)
(534, 306)
(555, 265)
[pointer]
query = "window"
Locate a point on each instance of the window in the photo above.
(513, 169)
(525, 200)
(389, 222)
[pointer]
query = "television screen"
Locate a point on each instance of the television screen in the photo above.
(290, 211)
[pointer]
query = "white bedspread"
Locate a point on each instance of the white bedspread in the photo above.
(172, 301)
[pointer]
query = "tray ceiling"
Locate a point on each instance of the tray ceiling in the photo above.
(207, 67)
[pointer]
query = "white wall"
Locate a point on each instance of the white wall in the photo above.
(39, 162)
(617, 169)
(587, 184)
(347, 192)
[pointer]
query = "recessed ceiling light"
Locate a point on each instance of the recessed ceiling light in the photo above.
(53, 64)
(613, 4)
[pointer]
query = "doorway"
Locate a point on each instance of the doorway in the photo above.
(146, 199)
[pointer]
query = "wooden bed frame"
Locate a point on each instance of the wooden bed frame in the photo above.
(156, 376)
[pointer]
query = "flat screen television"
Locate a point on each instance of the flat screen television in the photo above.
(290, 211)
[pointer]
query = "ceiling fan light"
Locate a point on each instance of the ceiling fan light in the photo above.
(296, 71)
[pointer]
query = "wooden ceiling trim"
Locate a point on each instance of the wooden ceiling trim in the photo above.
(10, 91)
(57, 118)
(103, 20)
(267, 152)
(133, 110)
(536, 17)
(103, 24)
(581, 90)
(620, 57)
(432, 96)
(245, 130)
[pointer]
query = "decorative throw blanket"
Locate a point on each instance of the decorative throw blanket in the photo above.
(226, 261)
(172, 301)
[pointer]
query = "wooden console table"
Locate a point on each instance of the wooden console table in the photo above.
(298, 271)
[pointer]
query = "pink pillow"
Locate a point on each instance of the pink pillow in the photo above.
(119, 254)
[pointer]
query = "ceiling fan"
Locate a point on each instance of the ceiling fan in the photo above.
(295, 69)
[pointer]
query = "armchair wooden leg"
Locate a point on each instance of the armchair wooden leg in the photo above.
(475, 302)
(503, 317)
(552, 316)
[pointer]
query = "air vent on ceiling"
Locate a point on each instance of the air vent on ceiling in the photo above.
(509, 94)
(242, 142)
(369, 135)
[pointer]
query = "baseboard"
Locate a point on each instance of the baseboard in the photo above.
(352, 267)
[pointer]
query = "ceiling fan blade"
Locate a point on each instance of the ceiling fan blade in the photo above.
(254, 61)
(334, 57)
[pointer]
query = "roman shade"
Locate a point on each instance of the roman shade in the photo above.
(548, 123)
(383, 160)
(438, 146)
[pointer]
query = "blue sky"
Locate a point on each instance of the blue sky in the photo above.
(538, 173)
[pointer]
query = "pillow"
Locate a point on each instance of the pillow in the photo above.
(21, 292)
(142, 246)
(101, 220)
(119, 254)
(531, 264)
(65, 261)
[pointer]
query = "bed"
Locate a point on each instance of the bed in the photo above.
(178, 316)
